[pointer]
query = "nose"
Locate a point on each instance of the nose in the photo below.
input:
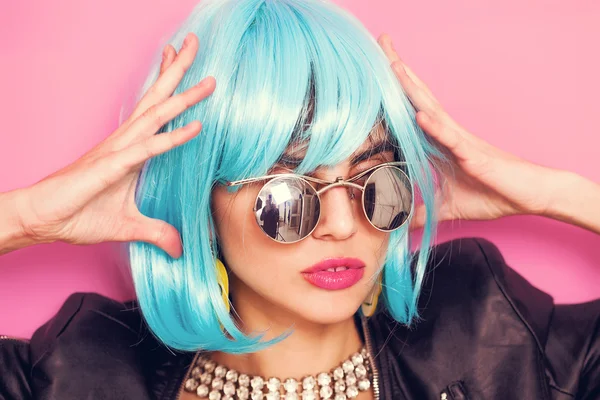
(338, 215)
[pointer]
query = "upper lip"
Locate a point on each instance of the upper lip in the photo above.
(334, 263)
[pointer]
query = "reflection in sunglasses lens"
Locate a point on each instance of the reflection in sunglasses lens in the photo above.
(387, 198)
(287, 208)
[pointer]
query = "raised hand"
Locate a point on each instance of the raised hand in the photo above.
(485, 182)
(92, 200)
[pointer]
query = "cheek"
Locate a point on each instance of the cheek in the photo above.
(262, 264)
(231, 215)
(240, 238)
(370, 239)
(376, 242)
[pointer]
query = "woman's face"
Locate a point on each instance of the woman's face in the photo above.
(266, 277)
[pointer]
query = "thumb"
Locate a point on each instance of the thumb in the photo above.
(159, 233)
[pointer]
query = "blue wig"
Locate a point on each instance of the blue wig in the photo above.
(288, 72)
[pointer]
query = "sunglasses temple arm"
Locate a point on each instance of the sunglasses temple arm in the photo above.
(241, 182)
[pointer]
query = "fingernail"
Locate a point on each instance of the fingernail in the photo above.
(186, 41)
(205, 81)
(388, 42)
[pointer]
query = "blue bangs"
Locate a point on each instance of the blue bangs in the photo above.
(289, 74)
(294, 83)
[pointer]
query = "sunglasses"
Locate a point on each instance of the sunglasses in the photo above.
(288, 207)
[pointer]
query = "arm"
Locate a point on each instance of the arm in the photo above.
(12, 232)
(575, 200)
(105, 177)
(485, 182)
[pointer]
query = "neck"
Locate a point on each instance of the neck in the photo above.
(310, 349)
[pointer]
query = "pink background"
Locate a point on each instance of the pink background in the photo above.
(521, 74)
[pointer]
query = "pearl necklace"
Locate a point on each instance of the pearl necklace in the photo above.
(207, 379)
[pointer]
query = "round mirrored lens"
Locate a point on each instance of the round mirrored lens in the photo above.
(287, 209)
(387, 198)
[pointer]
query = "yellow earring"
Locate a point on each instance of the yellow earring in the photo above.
(369, 306)
(223, 281)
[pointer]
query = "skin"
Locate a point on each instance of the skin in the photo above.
(483, 185)
(273, 295)
(100, 206)
(343, 231)
(488, 184)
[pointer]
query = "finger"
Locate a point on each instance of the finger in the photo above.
(158, 115)
(154, 231)
(449, 138)
(166, 84)
(157, 144)
(104, 172)
(386, 43)
(462, 144)
(169, 55)
(419, 94)
(418, 97)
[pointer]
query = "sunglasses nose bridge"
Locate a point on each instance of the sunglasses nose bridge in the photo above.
(338, 214)
(339, 181)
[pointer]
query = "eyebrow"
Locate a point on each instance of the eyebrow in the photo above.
(379, 147)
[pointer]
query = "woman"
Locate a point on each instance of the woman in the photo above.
(332, 305)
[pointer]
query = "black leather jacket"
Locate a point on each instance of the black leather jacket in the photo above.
(486, 333)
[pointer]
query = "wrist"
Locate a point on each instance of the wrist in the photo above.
(547, 187)
(13, 233)
(557, 184)
(561, 184)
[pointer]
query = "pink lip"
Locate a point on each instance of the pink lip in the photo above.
(320, 277)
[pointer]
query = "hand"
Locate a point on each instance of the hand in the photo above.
(484, 182)
(92, 200)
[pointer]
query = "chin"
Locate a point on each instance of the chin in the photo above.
(326, 306)
(332, 312)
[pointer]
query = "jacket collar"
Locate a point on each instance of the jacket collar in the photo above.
(100, 348)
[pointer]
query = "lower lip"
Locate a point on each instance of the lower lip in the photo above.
(335, 280)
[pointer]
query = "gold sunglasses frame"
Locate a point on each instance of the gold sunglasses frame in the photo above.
(339, 181)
